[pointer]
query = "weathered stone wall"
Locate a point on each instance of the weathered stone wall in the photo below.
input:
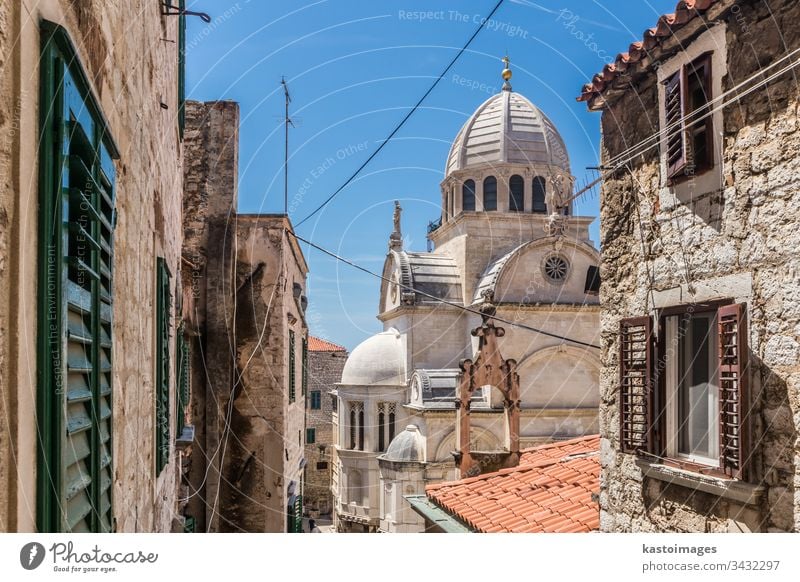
(737, 240)
(209, 204)
(132, 71)
(325, 371)
(266, 449)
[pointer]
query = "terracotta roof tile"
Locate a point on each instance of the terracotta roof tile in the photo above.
(665, 27)
(316, 344)
(549, 491)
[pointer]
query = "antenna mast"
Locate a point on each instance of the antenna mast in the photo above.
(287, 121)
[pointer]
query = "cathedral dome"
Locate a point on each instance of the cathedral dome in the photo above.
(377, 360)
(408, 446)
(507, 129)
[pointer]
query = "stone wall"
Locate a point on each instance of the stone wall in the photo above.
(263, 466)
(325, 371)
(665, 246)
(132, 72)
(210, 177)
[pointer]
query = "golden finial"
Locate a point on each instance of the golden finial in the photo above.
(506, 73)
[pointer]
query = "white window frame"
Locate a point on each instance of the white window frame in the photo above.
(672, 385)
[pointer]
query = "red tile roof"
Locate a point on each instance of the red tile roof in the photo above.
(316, 344)
(628, 62)
(549, 491)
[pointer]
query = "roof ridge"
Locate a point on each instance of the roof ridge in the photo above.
(324, 345)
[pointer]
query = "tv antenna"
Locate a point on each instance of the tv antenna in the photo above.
(287, 121)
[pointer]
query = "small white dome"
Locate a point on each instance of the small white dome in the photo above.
(408, 446)
(507, 129)
(379, 360)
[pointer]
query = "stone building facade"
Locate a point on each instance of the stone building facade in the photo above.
(246, 310)
(326, 361)
(700, 385)
(507, 242)
(90, 124)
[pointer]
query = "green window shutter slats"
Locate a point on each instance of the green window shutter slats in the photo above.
(304, 380)
(311, 436)
(291, 367)
(163, 300)
(298, 514)
(182, 381)
(76, 183)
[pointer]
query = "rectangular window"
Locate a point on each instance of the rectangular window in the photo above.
(76, 227)
(334, 403)
(311, 436)
(684, 397)
(292, 389)
(163, 319)
(316, 400)
(688, 120)
(322, 466)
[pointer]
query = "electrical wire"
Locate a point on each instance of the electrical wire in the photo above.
(397, 128)
(439, 299)
(643, 146)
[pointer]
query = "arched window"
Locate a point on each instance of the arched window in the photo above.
(361, 428)
(391, 422)
(356, 426)
(468, 195)
(539, 187)
(490, 193)
(516, 194)
(381, 424)
(353, 428)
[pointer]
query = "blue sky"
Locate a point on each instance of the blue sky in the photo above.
(354, 69)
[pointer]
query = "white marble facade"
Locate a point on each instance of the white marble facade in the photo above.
(507, 236)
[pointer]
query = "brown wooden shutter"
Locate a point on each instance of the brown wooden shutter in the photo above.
(636, 384)
(733, 398)
(674, 106)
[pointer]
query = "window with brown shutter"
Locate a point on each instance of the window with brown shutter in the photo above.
(689, 140)
(733, 395)
(636, 384)
(698, 419)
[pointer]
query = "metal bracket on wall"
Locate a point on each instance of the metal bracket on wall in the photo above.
(169, 9)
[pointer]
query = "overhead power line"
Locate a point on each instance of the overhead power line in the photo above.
(406, 118)
(439, 299)
(700, 114)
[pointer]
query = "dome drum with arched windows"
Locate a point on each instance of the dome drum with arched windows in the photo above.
(508, 157)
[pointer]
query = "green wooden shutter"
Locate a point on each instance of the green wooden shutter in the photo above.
(76, 186)
(183, 380)
(304, 380)
(298, 514)
(163, 317)
(291, 367)
(311, 436)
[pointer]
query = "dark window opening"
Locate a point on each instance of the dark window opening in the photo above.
(468, 196)
(539, 198)
(516, 194)
(490, 193)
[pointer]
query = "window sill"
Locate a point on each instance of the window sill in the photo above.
(730, 489)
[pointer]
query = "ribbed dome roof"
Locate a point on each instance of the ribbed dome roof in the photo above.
(408, 446)
(507, 128)
(377, 360)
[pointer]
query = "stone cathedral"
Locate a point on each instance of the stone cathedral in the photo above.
(507, 240)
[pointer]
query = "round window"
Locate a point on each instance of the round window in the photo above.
(556, 268)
